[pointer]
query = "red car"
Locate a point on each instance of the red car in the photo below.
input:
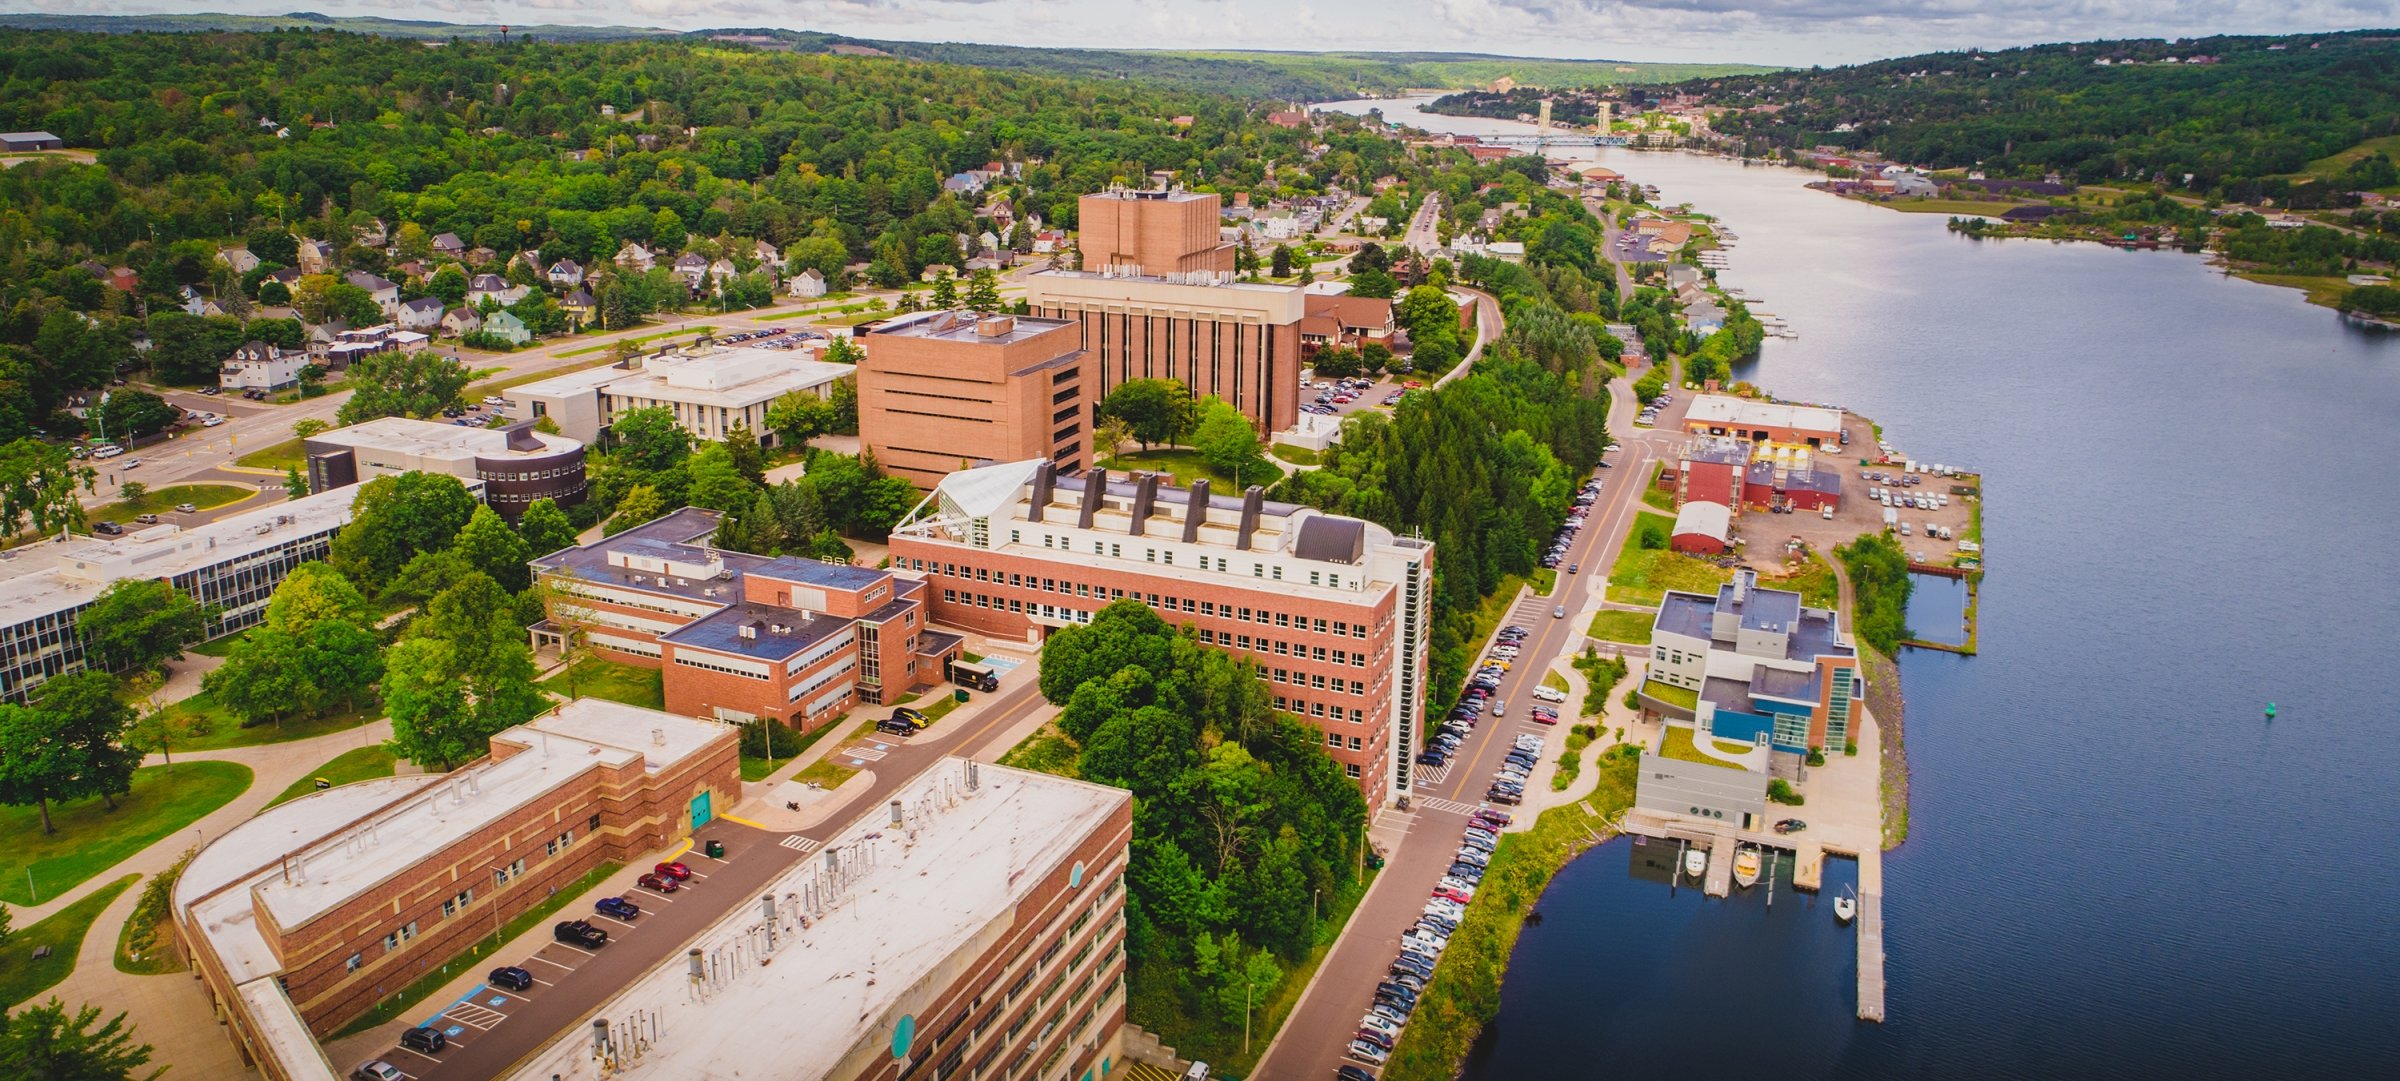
(661, 883)
(1459, 896)
(1545, 718)
(674, 870)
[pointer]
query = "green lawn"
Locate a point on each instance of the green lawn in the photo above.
(1295, 455)
(479, 391)
(1651, 496)
(1678, 745)
(22, 977)
(1671, 694)
(594, 677)
(164, 500)
(2326, 291)
(757, 769)
(401, 1000)
(1642, 576)
(223, 730)
(356, 764)
(1992, 208)
(2331, 166)
(612, 343)
(1187, 467)
(1554, 681)
(825, 771)
(1046, 751)
(284, 455)
(1814, 581)
(91, 838)
(1618, 625)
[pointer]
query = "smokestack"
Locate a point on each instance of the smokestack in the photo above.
(1045, 480)
(1095, 489)
(1145, 494)
(1195, 510)
(1253, 502)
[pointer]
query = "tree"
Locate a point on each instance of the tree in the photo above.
(135, 494)
(983, 292)
(308, 426)
(294, 485)
(393, 518)
(1374, 284)
(716, 482)
(545, 528)
(490, 546)
(1281, 261)
(463, 673)
(747, 456)
(842, 351)
(139, 623)
(448, 284)
(38, 482)
(46, 1042)
(798, 416)
(37, 766)
(87, 716)
(131, 414)
(1225, 439)
(648, 439)
(884, 502)
(187, 349)
(1371, 256)
(394, 384)
(1154, 410)
(945, 292)
(641, 504)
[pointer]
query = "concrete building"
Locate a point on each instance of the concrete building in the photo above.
(1727, 789)
(261, 366)
(303, 917)
(1336, 611)
(940, 390)
(737, 636)
(1754, 665)
(973, 927)
(1157, 300)
(515, 465)
(709, 389)
(233, 564)
(1763, 422)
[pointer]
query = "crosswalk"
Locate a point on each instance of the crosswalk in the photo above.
(865, 752)
(1429, 776)
(1447, 806)
(800, 844)
(468, 1013)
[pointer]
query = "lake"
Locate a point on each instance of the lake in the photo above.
(2116, 867)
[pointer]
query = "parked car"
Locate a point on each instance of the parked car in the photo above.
(673, 870)
(616, 907)
(424, 1040)
(377, 1070)
(579, 933)
(186, 508)
(510, 977)
(891, 727)
(1790, 825)
(109, 529)
(658, 882)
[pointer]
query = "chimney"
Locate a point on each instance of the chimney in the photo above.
(1045, 480)
(1253, 501)
(1195, 510)
(1095, 489)
(1145, 493)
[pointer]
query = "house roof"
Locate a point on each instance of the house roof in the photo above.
(1712, 520)
(422, 305)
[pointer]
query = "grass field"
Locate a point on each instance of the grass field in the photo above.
(1814, 581)
(1642, 576)
(22, 977)
(612, 343)
(1619, 625)
(91, 838)
(164, 500)
(1187, 467)
(756, 768)
(284, 455)
(593, 677)
(225, 731)
(356, 764)
(1048, 750)
(2331, 165)
(478, 391)
(1652, 497)
(1295, 455)
(2326, 291)
(1989, 208)
(1679, 743)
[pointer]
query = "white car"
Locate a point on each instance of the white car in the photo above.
(1376, 1022)
(1550, 694)
(212, 422)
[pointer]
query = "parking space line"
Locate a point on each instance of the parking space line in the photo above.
(547, 961)
(576, 949)
(611, 919)
(419, 1054)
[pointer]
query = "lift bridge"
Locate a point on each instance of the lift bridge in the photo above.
(1551, 139)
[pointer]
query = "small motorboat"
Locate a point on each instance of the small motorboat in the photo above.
(1845, 908)
(1695, 862)
(1745, 867)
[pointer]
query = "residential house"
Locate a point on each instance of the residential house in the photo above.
(1341, 320)
(1048, 241)
(808, 283)
(449, 244)
(258, 365)
(722, 270)
(767, 255)
(693, 269)
(1682, 274)
(481, 256)
(423, 313)
(935, 272)
(565, 274)
(239, 259)
(373, 234)
(963, 184)
(316, 257)
(414, 268)
(1288, 119)
(20, 142)
(384, 291)
(1507, 251)
(461, 321)
(635, 257)
(987, 241)
(984, 262)
(580, 307)
(495, 287)
(505, 326)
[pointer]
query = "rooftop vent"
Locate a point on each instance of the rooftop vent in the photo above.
(995, 326)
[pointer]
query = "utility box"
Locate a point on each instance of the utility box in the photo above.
(716, 850)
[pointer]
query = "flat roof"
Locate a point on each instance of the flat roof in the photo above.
(1724, 409)
(1162, 279)
(722, 631)
(59, 574)
(919, 896)
(1686, 614)
(426, 439)
(966, 327)
(731, 377)
(558, 386)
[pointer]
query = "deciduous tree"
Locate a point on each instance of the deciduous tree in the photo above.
(139, 623)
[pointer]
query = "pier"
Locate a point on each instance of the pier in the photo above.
(1720, 863)
(1870, 936)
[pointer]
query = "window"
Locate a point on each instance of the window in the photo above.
(501, 875)
(1351, 769)
(593, 825)
(352, 964)
(458, 904)
(392, 941)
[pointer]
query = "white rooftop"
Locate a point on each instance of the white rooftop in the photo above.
(1727, 410)
(729, 377)
(571, 383)
(60, 574)
(873, 951)
(426, 439)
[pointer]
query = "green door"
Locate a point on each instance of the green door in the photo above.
(700, 810)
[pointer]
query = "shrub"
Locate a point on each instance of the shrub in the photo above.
(1780, 791)
(1650, 536)
(1816, 756)
(1850, 748)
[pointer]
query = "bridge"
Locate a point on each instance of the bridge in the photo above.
(1559, 139)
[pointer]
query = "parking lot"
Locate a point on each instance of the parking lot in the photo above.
(1364, 393)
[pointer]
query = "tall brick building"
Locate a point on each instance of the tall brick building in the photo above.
(942, 389)
(1156, 299)
(971, 927)
(303, 917)
(1336, 611)
(740, 636)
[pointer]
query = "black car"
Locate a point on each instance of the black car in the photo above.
(109, 529)
(891, 727)
(911, 716)
(1347, 1072)
(1467, 871)
(1395, 990)
(424, 1040)
(1431, 758)
(579, 933)
(510, 977)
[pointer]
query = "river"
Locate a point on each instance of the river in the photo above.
(2116, 867)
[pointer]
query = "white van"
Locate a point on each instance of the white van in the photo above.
(1198, 1072)
(109, 451)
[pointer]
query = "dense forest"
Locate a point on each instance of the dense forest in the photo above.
(2227, 115)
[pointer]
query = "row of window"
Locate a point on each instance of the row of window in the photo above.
(823, 678)
(1241, 614)
(690, 661)
(1300, 708)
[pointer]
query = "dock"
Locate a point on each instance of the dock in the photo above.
(1870, 936)
(1720, 863)
(1808, 868)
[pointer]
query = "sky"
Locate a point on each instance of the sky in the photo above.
(1790, 32)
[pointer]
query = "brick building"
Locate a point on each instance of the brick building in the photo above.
(974, 926)
(515, 465)
(1157, 300)
(942, 389)
(303, 917)
(1336, 611)
(740, 636)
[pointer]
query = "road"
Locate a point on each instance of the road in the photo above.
(1318, 1030)
(1424, 233)
(495, 1028)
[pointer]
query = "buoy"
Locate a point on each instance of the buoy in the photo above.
(2270, 711)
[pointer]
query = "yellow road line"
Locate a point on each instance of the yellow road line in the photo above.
(743, 821)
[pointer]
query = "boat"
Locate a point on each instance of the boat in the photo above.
(1845, 908)
(1745, 867)
(2270, 711)
(1695, 862)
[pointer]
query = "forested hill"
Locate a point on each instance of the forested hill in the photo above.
(2230, 111)
(1285, 76)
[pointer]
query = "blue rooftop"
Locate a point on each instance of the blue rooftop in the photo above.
(811, 572)
(722, 631)
(1685, 614)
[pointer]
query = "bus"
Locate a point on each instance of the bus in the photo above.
(974, 676)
